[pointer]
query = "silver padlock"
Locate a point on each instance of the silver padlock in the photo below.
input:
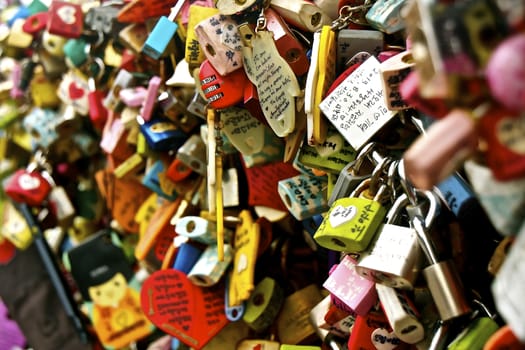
(193, 154)
(395, 257)
(442, 277)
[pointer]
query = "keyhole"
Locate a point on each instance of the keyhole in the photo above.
(292, 55)
(316, 18)
(338, 242)
(210, 49)
(288, 201)
(258, 299)
(190, 226)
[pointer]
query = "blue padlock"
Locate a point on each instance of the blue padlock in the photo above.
(162, 33)
(162, 134)
(151, 181)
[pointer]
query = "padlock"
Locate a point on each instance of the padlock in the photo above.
(187, 255)
(401, 314)
(133, 37)
(199, 229)
(372, 332)
(457, 136)
(103, 19)
(75, 52)
(53, 66)
(330, 321)
(161, 35)
(355, 172)
(123, 80)
(43, 91)
(222, 92)
(73, 91)
(133, 96)
(36, 22)
(153, 179)
(27, 186)
(400, 269)
(303, 195)
(351, 223)
(98, 113)
(193, 154)
(353, 41)
(503, 130)
(303, 15)
(14, 228)
(386, 16)
(161, 134)
(441, 276)
(40, 123)
(393, 72)
(220, 41)
(503, 338)
(175, 108)
(264, 304)
(477, 332)
(208, 270)
(151, 98)
(349, 291)
(409, 90)
(17, 37)
(65, 19)
(53, 44)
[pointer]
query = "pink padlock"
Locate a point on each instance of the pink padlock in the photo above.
(350, 291)
(437, 154)
(151, 98)
(506, 73)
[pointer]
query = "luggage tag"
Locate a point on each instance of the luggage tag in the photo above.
(320, 76)
(357, 107)
(301, 14)
(220, 41)
(194, 54)
(188, 312)
(350, 291)
(503, 201)
(503, 131)
(110, 291)
(245, 250)
(393, 72)
(245, 132)
(276, 83)
(293, 321)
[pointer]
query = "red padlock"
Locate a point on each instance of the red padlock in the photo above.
(372, 331)
(36, 23)
(28, 187)
(504, 132)
(222, 91)
(65, 19)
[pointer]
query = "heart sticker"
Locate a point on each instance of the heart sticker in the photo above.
(28, 182)
(332, 144)
(341, 215)
(384, 340)
(75, 91)
(178, 307)
(67, 14)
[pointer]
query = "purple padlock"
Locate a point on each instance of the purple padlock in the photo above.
(506, 73)
(11, 336)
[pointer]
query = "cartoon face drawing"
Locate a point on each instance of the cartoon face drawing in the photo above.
(109, 293)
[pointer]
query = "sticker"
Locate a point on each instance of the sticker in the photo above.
(67, 14)
(357, 106)
(384, 340)
(341, 215)
(73, 90)
(276, 83)
(186, 311)
(511, 133)
(28, 182)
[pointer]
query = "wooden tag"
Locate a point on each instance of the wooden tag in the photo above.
(178, 307)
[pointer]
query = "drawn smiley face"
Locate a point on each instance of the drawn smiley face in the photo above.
(109, 293)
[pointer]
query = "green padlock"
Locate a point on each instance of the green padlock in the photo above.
(75, 52)
(352, 222)
(475, 335)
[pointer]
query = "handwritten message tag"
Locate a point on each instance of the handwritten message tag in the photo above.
(243, 130)
(357, 106)
(178, 307)
(276, 82)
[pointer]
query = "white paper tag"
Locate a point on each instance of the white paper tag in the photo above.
(276, 83)
(244, 131)
(357, 106)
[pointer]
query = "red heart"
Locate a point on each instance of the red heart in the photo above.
(75, 91)
(178, 307)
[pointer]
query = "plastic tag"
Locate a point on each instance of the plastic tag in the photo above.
(246, 245)
(276, 83)
(178, 307)
(311, 87)
(244, 131)
(357, 106)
